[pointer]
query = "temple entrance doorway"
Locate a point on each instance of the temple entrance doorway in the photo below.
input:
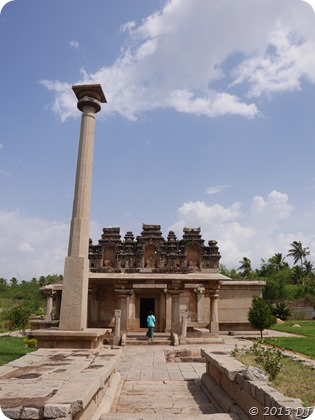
(146, 305)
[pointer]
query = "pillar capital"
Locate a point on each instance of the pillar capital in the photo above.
(212, 288)
(89, 95)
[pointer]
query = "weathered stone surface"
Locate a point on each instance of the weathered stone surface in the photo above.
(30, 413)
(255, 374)
(63, 380)
(57, 410)
(246, 393)
(12, 413)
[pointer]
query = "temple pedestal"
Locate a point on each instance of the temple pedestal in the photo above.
(90, 338)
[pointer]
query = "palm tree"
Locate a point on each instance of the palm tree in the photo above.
(245, 267)
(297, 275)
(298, 252)
(278, 262)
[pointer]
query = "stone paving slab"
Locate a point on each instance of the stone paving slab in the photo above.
(53, 383)
(164, 397)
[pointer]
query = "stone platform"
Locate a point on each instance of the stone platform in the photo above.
(59, 383)
(90, 338)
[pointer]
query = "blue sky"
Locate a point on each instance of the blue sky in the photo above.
(209, 122)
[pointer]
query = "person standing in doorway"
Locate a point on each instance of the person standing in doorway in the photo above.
(151, 325)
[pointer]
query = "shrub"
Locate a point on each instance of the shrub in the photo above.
(260, 315)
(269, 358)
(18, 317)
(281, 311)
(30, 342)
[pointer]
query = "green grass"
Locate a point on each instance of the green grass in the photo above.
(12, 348)
(304, 344)
(306, 327)
(294, 380)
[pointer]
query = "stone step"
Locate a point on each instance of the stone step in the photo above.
(162, 400)
(145, 342)
(141, 339)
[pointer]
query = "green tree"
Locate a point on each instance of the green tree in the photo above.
(232, 273)
(260, 315)
(245, 267)
(19, 316)
(297, 275)
(298, 252)
(50, 279)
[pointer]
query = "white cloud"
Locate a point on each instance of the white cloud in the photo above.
(31, 247)
(74, 44)
(174, 58)
(1, 146)
(281, 67)
(216, 189)
(252, 233)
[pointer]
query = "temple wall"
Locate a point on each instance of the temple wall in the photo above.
(234, 302)
(102, 305)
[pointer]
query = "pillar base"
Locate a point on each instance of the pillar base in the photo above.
(90, 338)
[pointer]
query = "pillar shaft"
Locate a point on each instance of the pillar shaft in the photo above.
(200, 292)
(168, 311)
(214, 318)
(80, 223)
(73, 314)
(175, 314)
(49, 306)
(124, 308)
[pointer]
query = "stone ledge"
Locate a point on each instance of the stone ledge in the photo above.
(90, 338)
(58, 383)
(226, 380)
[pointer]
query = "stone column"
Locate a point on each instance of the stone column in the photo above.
(183, 336)
(200, 292)
(168, 311)
(49, 304)
(57, 305)
(213, 293)
(175, 325)
(73, 314)
(214, 318)
(117, 326)
(124, 307)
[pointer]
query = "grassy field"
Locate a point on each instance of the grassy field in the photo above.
(305, 344)
(12, 348)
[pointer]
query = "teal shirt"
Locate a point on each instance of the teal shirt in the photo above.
(151, 321)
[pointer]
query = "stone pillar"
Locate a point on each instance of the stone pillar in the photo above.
(214, 318)
(183, 336)
(175, 325)
(200, 292)
(58, 303)
(49, 305)
(168, 311)
(124, 307)
(117, 326)
(73, 314)
(213, 292)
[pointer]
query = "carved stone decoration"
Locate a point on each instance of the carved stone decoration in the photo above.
(151, 252)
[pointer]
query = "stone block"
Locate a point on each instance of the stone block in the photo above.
(12, 413)
(30, 413)
(55, 411)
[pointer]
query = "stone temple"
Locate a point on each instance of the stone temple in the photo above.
(177, 278)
